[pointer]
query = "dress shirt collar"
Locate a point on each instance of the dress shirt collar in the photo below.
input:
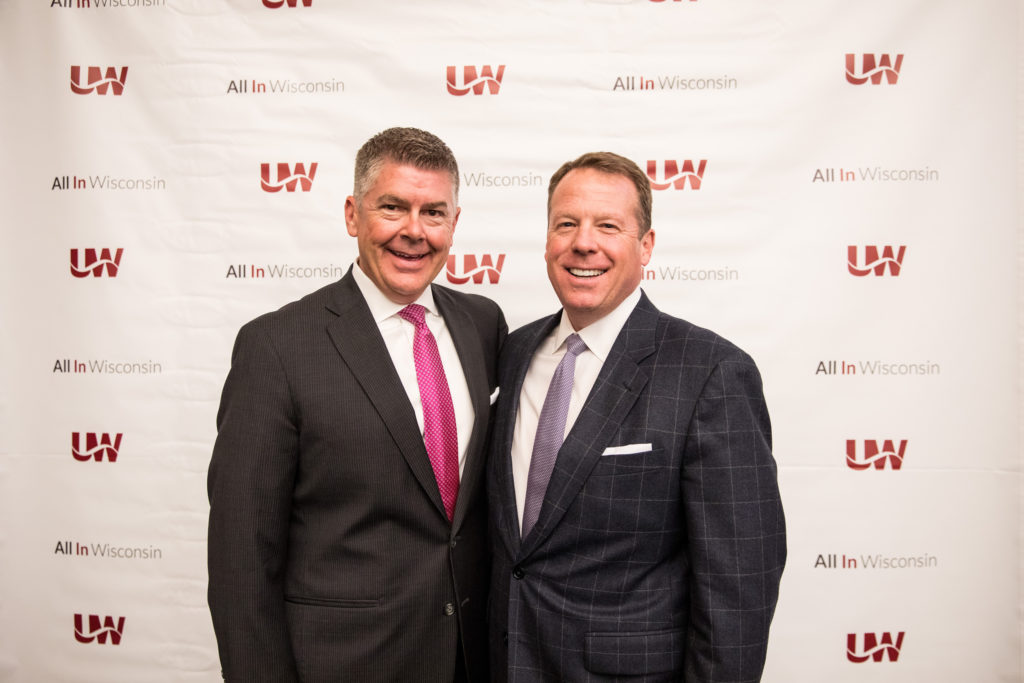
(381, 307)
(600, 335)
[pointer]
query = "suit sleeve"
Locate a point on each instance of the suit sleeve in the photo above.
(250, 484)
(735, 526)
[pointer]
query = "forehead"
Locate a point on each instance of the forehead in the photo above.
(588, 190)
(400, 179)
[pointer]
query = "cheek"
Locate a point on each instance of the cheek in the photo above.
(441, 237)
(553, 248)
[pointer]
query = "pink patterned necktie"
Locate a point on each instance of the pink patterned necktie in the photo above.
(439, 432)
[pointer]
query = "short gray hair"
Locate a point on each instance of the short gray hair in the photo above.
(410, 146)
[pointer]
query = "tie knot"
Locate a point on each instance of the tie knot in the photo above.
(575, 345)
(414, 313)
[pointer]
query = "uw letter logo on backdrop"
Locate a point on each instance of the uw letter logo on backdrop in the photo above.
(873, 68)
(97, 446)
(288, 178)
(274, 4)
(873, 262)
(96, 265)
(98, 80)
(875, 456)
(676, 175)
(875, 647)
(99, 629)
(472, 80)
(473, 270)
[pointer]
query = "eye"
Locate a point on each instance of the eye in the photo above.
(608, 227)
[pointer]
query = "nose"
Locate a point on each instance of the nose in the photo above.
(413, 226)
(584, 239)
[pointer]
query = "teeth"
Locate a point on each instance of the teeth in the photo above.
(580, 272)
(402, 254)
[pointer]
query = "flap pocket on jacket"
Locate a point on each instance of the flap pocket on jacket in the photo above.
(634, 653)
(347, 603)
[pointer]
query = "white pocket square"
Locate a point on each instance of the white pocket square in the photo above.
(494, 396)
(628, 449)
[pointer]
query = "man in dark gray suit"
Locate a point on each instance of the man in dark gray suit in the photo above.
(637, 530)
(347, 516)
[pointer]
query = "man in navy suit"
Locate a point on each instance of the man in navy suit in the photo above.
(637, 530)
(348, 524)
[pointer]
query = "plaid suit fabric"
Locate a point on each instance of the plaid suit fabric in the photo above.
(659, 565)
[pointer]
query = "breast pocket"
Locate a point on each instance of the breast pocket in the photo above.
(633, 500)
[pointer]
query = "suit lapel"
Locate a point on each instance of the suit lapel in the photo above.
(358, 340)
(467, 345)
(517, 360)
(619, 384)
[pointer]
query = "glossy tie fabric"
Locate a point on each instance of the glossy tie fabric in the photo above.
(439, 430)
(550, 431)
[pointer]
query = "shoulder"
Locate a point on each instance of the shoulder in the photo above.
(474, 304)
(678, 337)
(301, 314)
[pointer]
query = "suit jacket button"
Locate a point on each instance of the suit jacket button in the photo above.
(449, 609)
(518, 573)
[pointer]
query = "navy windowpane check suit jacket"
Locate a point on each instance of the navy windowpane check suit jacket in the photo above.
(659, 564)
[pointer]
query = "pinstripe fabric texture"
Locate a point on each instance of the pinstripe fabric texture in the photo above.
(331, 556)
(652, 563)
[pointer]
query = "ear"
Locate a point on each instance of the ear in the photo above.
(350, 216)
(455, 219)
(646, 247)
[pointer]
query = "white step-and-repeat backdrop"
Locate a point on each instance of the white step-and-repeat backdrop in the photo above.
(837, 190)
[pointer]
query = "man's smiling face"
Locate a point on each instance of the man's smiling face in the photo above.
(404, 225)
(594, 250)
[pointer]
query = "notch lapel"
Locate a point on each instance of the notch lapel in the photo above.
(467, 345)
(618, 385)
(357, 338)
(515, 362)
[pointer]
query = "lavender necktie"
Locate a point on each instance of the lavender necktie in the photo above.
(439, 432)
(550, 431)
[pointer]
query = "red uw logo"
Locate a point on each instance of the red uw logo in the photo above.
(99, 630)
(274, 4)
(94, 264)
(874, 262)
(873, 68)
(875, 647)
(472, 270)
(873, 455)
(287, 178)
(472, 81)
(674, 176)
(98, 81)
(97, 445)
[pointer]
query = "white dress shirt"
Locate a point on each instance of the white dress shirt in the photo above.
(599, 338)
(398, 336)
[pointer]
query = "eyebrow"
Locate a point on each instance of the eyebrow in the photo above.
(393, 199)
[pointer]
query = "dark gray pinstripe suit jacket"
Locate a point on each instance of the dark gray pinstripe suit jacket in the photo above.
(654, 566)
(330, 555)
